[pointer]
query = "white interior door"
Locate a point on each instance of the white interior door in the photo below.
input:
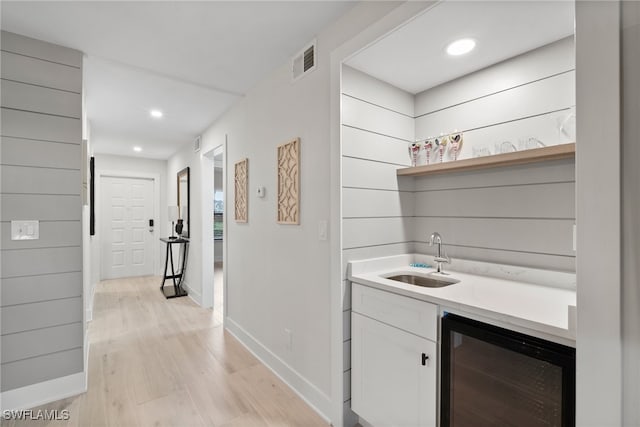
(127, 239)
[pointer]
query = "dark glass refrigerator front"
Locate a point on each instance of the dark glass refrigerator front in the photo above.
(496, 377)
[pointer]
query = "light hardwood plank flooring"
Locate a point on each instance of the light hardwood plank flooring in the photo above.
(157, 362)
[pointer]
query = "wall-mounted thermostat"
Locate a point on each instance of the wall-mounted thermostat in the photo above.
(25, 230)
(261, 192)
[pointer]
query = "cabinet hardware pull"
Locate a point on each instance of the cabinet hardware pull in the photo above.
(424, 359)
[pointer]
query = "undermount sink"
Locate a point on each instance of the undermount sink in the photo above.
(424, 281)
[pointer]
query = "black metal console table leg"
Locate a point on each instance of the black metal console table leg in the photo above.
(178, 291)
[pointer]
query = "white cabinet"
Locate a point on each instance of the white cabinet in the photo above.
(394, 372)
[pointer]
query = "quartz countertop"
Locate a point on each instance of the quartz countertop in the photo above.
(538, 302)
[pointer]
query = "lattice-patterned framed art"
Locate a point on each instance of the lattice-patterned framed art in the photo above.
(241, 202)
(289, 182)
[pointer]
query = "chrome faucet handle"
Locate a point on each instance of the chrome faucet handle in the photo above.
(444, 259)
(435, 238)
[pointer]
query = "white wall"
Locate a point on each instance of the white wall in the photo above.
(186, 157)
(135, 165)
(598, 352)
(631, 213)
(278, 275)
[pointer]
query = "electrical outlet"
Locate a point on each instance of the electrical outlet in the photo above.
(289, 338)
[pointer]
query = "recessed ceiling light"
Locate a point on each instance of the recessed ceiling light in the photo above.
(137, 149)
(460, 47)
(156, 114)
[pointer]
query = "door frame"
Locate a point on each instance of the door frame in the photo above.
(109, 173)
(208, 168)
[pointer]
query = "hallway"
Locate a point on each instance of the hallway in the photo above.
(158, 362)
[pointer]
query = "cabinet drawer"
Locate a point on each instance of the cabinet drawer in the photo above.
(411, 315)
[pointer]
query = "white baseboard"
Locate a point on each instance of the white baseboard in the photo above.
(86, 357)
(308, 392)
(45, 392)
(195, 296)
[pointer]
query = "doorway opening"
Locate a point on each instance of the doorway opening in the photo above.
(218, 234)
(214, 231)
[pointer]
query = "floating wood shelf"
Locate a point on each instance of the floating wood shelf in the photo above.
(555, 152)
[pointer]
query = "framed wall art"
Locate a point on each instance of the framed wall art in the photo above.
(289, 182)
(241, 201)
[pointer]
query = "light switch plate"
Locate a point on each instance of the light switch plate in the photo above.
(25, 230)
(322, 230)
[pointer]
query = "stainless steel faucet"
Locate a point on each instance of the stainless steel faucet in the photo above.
(436, 238)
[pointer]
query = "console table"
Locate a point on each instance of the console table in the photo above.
(176, 290)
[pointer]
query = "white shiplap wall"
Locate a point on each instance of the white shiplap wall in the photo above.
(522, 215)
(377, 207)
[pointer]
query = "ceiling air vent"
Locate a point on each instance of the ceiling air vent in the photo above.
(197, 144)
(304, 62)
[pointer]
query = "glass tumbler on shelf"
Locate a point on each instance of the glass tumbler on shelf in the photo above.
(505, 147)
(480, 151)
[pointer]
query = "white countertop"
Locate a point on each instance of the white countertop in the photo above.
(524, 304)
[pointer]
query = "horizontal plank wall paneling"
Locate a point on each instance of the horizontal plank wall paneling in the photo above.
(22, 96)
(377, 206)
(27, 317)
(522, 215)
(554, 58)
(360, 232)
(374, 118)
(540, 97)
(27, 262)
(41, 206)
(500, 256)
(361, 203)
(25, 124)
(24, 290)
(547, 236)
(29, 152)
(535, 173)
(363, 173)
(41, 341)
(43, 368)
(25, 69)
(29, 180)
(362, 86)
(517, 201)
(41, 50)
(42, 302)
(361, 144)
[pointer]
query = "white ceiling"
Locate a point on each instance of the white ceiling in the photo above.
(190, 59)
(413, 57)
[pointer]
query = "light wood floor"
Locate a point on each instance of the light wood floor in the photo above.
(157, 362)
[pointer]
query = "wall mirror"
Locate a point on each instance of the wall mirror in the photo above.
(507, 85)
(184, 201)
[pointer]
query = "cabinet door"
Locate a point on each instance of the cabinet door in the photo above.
(390, 386)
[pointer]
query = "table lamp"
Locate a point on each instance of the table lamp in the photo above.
(173, 217)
